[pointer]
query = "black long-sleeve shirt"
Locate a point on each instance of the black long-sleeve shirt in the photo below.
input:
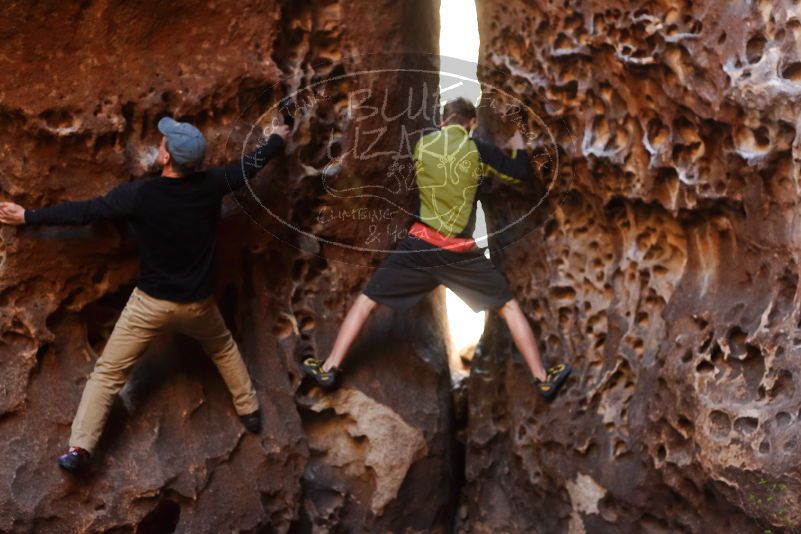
(175, 220)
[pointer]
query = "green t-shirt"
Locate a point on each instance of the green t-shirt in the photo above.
(450, 166)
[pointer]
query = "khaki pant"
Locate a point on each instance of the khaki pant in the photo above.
(143, 318)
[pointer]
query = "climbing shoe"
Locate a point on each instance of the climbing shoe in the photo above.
(75, 461)
(252, 422)
(554, 380)
(314, 368)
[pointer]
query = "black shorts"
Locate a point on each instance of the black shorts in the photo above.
(416, 267)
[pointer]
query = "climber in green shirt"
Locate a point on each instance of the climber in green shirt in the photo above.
(450, 166)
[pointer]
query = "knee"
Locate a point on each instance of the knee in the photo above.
(222, 347)
(510, 307)
(365, 303)
(108, 375)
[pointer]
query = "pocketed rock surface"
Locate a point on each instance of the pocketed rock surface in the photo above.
(84, 85)
(663, 266)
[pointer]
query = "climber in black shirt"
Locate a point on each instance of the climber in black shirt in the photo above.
(175, 216)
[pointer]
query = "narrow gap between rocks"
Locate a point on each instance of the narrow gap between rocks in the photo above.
(459, 40)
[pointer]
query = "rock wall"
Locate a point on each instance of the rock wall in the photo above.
(662, 263)
(83, 87)
(663, 266)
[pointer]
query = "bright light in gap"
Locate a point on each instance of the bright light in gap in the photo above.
(466, 326)
(458, 38)
(458, 34)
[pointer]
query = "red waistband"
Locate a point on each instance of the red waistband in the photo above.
(431, 236)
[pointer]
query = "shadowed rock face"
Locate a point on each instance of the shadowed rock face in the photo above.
(83, 87)
(664, 268)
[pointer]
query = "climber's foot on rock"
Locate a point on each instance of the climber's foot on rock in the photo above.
(75, 460)
(554, 380)
(314, 368)
(252, 422)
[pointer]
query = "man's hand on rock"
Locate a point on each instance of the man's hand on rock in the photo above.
(516, 142)
(279, 129)
(11, 213)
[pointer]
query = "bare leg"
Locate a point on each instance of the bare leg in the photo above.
(524, 337)
(354, 321)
